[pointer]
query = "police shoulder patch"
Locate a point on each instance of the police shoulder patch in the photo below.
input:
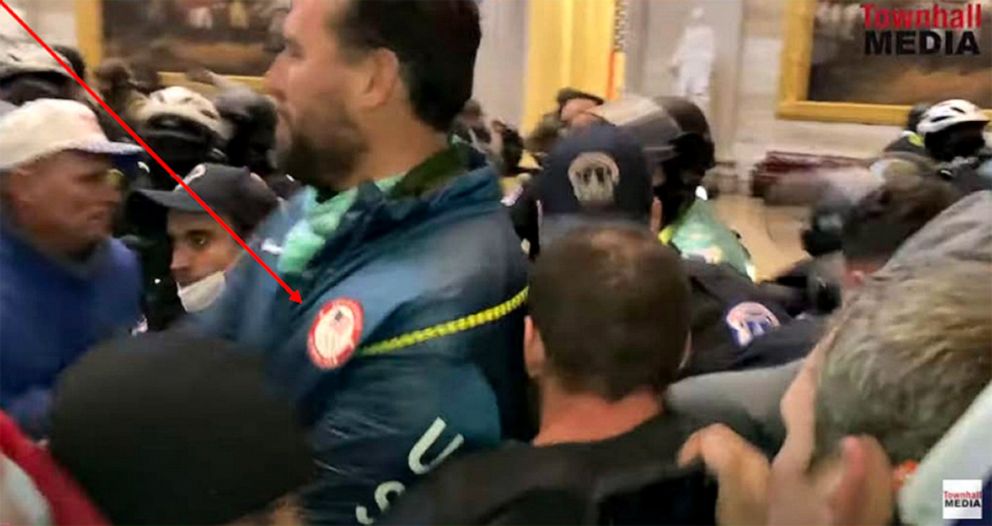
(335, 333)
(748, 320)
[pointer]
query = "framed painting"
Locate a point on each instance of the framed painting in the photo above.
(848, 61)
(234, 38)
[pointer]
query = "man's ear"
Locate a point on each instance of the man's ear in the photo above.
(379, 78)
(534, 356)
(861, 493)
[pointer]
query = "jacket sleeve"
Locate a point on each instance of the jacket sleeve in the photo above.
(30, 410)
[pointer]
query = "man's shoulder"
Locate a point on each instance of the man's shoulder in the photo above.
(607, 474)
(121, 257)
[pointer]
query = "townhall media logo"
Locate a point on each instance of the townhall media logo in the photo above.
(922, 31)
(962, 499)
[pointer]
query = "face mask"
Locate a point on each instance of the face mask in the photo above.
(197, 296)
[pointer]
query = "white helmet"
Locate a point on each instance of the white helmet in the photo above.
(949, 113)
(185, 103)
(18, 56)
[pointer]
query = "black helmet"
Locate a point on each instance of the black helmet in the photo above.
(669, 128)
(252, 119)
(676, 140)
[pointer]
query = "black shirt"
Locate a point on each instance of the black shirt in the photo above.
(630, 479)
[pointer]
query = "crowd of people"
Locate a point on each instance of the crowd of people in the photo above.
(430, 330)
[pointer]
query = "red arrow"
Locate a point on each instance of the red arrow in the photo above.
(294, 295)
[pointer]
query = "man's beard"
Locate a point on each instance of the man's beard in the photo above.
(327, 159)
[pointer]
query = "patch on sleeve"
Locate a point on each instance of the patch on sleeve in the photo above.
(335, 333)
(749, 320)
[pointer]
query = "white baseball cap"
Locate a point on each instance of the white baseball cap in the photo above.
(47, 126)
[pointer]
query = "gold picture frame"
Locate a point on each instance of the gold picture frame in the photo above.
(89, 31)
(793, 102)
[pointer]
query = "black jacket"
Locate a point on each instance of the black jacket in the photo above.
(630, 479)
(728, 312)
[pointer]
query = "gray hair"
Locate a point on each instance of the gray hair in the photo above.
(910, 354)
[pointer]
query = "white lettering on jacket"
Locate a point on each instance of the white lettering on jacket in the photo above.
(415, 461)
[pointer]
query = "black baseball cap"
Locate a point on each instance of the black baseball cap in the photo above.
(597, 173)
(230, 191)
(174, 428)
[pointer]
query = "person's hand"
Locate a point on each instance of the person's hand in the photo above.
(740, 469)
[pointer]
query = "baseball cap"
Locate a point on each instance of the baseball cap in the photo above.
(43, 127)
(230, 191)
(172, 428)
(598, 173)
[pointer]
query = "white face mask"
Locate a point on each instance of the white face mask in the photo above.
(199, 295)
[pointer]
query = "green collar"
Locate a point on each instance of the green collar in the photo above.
(432, 173)
(426, 176)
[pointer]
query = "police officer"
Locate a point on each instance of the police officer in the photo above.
(953, 132)
(403, 345)
(676, 139)
(600, 173)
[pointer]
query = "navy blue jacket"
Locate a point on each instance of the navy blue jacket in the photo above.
(435, 250)
(51, 313)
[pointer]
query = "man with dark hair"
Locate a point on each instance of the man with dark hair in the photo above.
(201, 251)
(606, 447)
(873, 229)
(572, 103)
(879, 224)
(404, 346)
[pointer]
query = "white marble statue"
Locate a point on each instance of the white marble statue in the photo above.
(693, 60)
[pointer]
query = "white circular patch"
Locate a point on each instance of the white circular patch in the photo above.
(594, 175)
(335, 333)
(749, 320)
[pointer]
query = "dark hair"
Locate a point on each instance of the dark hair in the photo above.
(512, 152)
(75, 60)
(115, 71)
(567, 94)
(176, 449)
(435, 42)
(878, 224)
(612, 306)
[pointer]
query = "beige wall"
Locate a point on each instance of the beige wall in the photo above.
(53, 20)
(757, 129)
